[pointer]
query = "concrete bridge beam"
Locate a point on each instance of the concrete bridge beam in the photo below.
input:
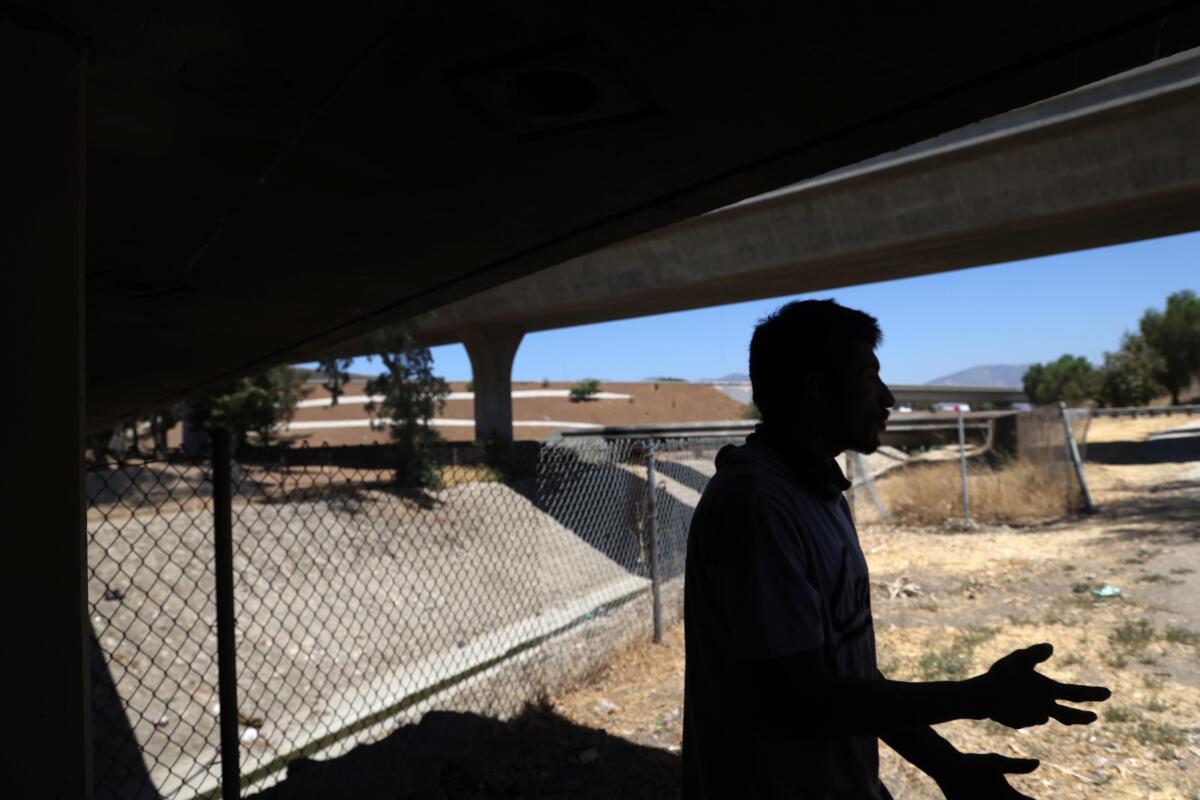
(1112, 162)
(47, 698)
(491, 351)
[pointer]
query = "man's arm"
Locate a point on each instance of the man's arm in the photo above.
(920, 745)
(796, 697)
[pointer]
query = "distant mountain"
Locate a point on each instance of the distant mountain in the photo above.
(985, 375)
(733, 377)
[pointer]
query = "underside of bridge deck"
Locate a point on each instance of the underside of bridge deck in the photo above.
(267, 179)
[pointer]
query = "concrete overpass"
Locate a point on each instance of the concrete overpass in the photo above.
(906, 393)
(1111, 162)
(973, 395)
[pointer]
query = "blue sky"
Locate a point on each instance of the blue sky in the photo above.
(1015, 313)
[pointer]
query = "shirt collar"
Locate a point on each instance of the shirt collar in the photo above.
(822, 477)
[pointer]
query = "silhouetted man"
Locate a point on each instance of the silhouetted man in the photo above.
(783, 698)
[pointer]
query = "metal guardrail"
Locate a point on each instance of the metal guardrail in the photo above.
(1146, 411)
(674, 431)
(899, 422)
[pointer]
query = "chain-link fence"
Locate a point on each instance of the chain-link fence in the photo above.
(358, 604)
(1042, 443)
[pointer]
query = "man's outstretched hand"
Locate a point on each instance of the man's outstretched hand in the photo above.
(980, 776)
(1017, 695)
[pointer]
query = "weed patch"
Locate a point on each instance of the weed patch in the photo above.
(1119, 714)
(1182, 636)
(1158, 733)
(954, 662)
(1133, 636)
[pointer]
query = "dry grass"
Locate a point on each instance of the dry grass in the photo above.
(459, 474)
(638, 695)
(1126, 429)
(929, 494)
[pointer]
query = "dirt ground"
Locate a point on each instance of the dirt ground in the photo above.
(948, 604)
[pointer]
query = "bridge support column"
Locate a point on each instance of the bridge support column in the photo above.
(47, 698)
(491, 351)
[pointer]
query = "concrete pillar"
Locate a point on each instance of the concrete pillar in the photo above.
(47, 705)
(491, 351)
(195, 441)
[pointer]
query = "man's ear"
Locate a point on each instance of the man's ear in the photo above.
(813, 391)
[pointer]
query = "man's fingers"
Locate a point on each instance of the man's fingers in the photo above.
(1071, 716)
(1014, 766)
(1034, 654)
(1078, 693)
(1010, 766)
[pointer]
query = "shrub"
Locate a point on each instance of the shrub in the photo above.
(584, 390)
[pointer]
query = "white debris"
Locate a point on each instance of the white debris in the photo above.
(606, 706)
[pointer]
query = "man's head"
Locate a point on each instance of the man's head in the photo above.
(814, 370)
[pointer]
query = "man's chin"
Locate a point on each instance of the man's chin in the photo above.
(867, 446)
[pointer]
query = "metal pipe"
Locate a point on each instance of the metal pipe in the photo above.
(222, 479)
(1076, 461)
(652, 511)
(860, 466)
(962, 463)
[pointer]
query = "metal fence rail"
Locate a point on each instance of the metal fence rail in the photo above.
(1146, 411)
(357, 604)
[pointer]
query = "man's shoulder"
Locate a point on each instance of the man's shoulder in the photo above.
(753, 469)
(749, 481)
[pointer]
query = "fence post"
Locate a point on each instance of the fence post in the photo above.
(962, 464)
(860, 467)
(1076, 461)
(222, 479)
(652, 512)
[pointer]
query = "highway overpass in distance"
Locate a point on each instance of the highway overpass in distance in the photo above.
(1111, 162)
(909, 393)
(972, 395)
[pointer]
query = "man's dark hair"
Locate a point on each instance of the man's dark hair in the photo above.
(802, 340)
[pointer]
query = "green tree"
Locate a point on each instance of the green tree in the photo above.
(411, 396)
(336, 373)
(584, 390)
(257, 404)
(1175, 335)
(1070, 378)
(1129, 376)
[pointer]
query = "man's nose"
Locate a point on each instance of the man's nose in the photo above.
(889, 399)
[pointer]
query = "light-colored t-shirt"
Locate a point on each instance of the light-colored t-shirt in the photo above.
(774, 568)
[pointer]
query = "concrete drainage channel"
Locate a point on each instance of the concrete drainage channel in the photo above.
(578, 636)
(356, 608)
